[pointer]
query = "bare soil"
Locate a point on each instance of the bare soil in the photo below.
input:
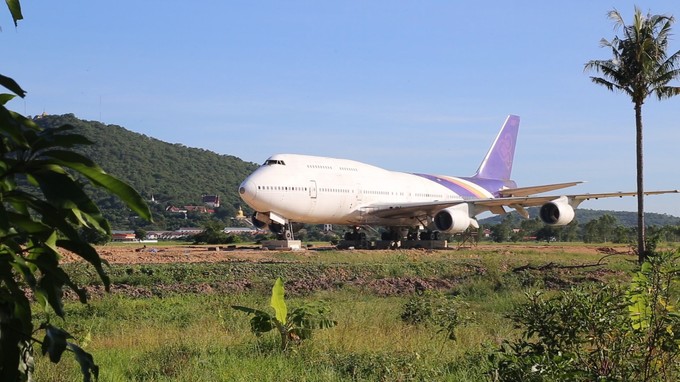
(149, 254)
(144, 254)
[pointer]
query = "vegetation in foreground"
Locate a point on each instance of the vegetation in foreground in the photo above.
(389, 307)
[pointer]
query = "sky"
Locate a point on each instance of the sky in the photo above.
(415, 86)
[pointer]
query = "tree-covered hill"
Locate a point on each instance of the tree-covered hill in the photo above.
(583, 216)
(172, 173)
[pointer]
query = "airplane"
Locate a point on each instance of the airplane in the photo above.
(292, 188)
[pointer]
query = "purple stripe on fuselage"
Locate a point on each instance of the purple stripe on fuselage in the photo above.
(491, 185)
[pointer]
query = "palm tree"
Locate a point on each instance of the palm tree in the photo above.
(640, 66)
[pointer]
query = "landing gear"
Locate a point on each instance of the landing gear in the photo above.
(355, 235)
(288, 234)
(283, 232)
(395, 234)
(429, 235)
(389, 236)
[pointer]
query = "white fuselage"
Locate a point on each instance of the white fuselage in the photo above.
(320, 190)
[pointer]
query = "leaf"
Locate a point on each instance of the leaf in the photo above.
(87, 365)
(12, 127)
(55, 137)
(100, 178)
(54, 342)
(261, 321)
(9, 83)
(87, 252)
(278, 302)
(247, 309)
(4, 98)
(26, 361)
(15, 9)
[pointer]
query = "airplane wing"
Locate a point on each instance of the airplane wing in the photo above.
(495, 205)
(526, 191)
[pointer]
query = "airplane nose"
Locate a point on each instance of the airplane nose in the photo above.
(248, 191)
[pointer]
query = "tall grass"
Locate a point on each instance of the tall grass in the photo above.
(184, 335)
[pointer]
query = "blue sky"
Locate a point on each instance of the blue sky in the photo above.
(412, 86)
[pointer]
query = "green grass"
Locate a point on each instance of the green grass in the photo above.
(180, 332)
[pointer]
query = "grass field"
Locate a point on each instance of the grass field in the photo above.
(173, 321)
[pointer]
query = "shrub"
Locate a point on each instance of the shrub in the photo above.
(599, 332)
(433, 308)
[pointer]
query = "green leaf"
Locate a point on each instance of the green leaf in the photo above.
(87, 365)
(87, 252)
(278, 302)
(4, 98)
(248, 310)
(15, 9)
(261, 322)
(54, 342)
(12, 128)
(100, 178)
(10, 84)
(61, 190)
(56, 137)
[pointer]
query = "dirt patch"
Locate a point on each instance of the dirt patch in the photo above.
(210, 254)
(175, 254)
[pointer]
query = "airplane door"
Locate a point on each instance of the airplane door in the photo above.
(312, 189)
(359, 192)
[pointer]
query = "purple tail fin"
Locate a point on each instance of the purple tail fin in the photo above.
(497, 163)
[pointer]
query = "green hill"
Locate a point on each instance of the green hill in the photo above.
(172, 173)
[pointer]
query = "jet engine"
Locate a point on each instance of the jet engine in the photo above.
(557, 213)
(452, 220)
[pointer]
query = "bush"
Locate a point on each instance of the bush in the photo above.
(599, 332)
(433, 308)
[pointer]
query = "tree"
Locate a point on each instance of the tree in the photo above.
(140, 234)
(501, 232)
(600, 230)
(570, 232)
(213, 233)
(44, 209)
(640, 67)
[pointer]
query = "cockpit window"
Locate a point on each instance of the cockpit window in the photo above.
(270, 162)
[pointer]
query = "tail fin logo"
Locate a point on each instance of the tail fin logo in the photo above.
(498, 161)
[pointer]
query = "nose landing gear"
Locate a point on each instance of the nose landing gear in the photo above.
(283, 232)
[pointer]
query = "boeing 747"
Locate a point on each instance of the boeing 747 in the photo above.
(291, 188)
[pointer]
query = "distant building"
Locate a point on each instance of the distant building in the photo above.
(176, 210)
(187, 231)
(240, 230)
(123, 236)
(212, 201)
(199, 209)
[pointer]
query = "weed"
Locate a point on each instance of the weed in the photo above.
(435, 308)
(168, 360)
